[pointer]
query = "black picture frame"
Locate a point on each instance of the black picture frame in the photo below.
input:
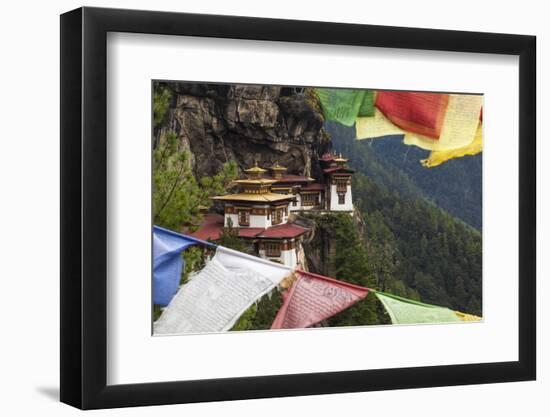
(84, 207)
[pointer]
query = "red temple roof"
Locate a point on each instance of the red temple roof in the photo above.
(293, 178)
(249, 231)
(313, 187)
(212, 229)
(288, 230)
(335, 169)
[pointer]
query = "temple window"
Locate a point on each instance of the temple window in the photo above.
(341, 186)
(273, 249)
(341, 199)
(310, 199)
(278, 216)
(244, 218)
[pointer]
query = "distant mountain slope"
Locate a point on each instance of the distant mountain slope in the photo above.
(455, 186)
(415, 246)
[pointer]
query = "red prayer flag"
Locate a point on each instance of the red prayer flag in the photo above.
(422, 113)
(314, 298)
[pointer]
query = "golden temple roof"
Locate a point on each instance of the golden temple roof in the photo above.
(258, 181)
(268, 197)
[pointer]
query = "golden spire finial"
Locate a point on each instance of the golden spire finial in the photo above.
(277, 170)
(255, 171)
(340, 160)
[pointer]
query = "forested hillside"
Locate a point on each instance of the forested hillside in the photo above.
(455, 186)
(418, 248)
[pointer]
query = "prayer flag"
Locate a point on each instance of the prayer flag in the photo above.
(467, 317)
(438, 157)
(344, 106)
(405, 311)
(420, 113)
(375, 127)
(459, 126)
(314, 298)
(236, 261)
(367, 106)
(215, 298)
(168, 263)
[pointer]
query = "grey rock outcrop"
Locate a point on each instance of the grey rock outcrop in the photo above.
(246, 123)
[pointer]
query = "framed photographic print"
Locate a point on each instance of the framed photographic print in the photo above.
(257, 208)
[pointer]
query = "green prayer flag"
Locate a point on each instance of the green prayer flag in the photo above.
(405, 311)
(344, 106)
(367, 106)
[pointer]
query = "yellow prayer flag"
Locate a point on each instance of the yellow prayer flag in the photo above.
(467, 317)
(438, 157)
(376, 126)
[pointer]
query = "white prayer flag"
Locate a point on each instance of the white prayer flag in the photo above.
(235, 260)
(215, 298)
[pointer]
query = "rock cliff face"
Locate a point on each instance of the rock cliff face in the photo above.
(246, 123)
(320, 247)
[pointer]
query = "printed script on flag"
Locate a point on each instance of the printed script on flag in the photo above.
(314, 298)
(213, 300)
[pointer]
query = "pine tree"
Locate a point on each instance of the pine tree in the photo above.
(177, 196)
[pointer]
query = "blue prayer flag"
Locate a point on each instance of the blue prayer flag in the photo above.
(168, 263)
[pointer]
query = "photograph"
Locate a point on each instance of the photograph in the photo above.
(297, 207)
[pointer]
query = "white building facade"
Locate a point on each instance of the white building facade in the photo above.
(340, 198)
(338, 176)
(260, 211)
(279, 251)
(260, 215)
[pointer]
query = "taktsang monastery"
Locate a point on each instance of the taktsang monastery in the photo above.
(259, 211)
